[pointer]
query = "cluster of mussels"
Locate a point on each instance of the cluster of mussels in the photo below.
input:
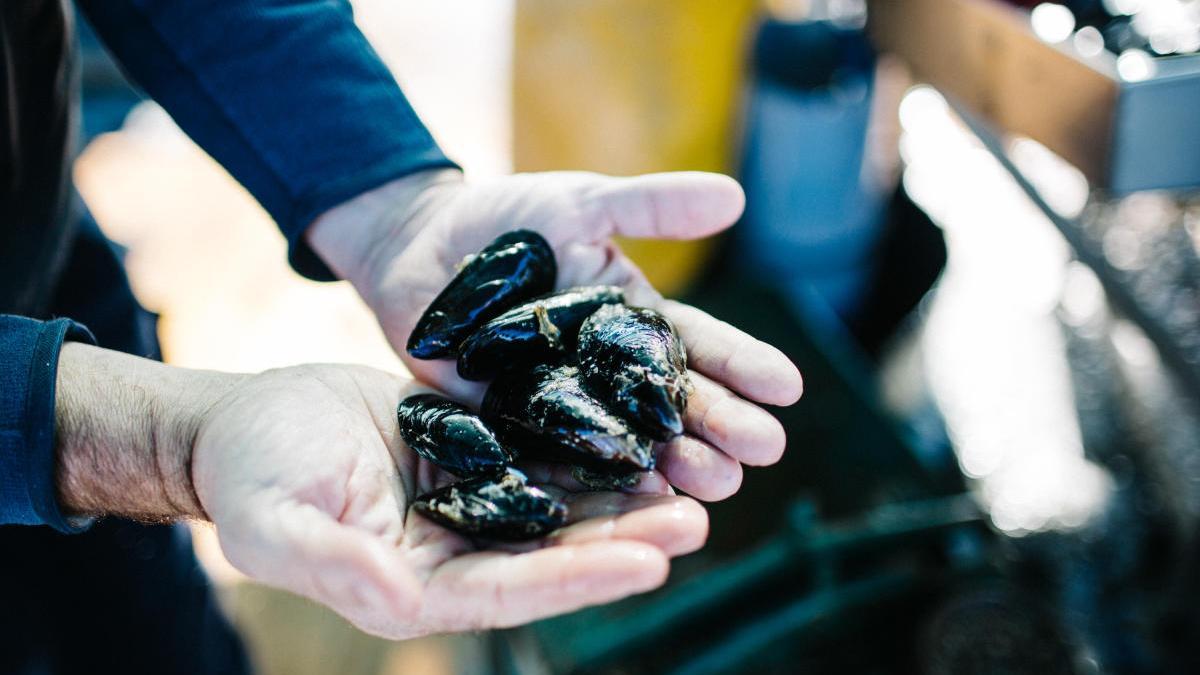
(576, 377)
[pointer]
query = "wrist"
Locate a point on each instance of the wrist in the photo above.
(350, 236)
(125, 430)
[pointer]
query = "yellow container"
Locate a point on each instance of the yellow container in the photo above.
(631, 86)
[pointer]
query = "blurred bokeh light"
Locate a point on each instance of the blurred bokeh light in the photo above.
(992, 343)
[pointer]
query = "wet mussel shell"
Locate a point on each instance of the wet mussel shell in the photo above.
(450, 436)
(515, 267)
(592, 479)
(632, 359)
(536, 332)
(501, 506)
(544, 413)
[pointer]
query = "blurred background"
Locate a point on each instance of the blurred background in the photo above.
(973, 224)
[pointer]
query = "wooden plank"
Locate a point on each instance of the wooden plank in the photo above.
(984, 55)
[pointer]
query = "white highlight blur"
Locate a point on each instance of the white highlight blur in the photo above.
(1135, 65)
(1123, 6)
(1052, 22)
(1088, 41)
(1170, 25)
(992, 345)
(1083, 296)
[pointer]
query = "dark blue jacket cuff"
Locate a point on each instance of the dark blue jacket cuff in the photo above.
(28, 370)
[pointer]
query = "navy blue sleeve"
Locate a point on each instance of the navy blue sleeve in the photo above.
(28, 369)
(287, 95)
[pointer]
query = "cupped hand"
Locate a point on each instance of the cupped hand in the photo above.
(309, 485)
(400, 245)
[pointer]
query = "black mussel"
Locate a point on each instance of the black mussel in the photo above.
(632, 359)
(532, 333)
(606, 480)
(544, 413)
(515, 267)
(500, 506)
(450, 436)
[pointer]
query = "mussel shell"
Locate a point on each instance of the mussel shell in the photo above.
(545, 414)
(632, 359)
(606, 480)
(450, 436)
(532, 333)
(501, 506)
(515, 267)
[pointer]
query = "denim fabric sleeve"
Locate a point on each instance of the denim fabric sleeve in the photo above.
(28, 369)
(286, 94)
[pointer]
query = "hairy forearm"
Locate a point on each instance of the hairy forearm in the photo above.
(125, 428)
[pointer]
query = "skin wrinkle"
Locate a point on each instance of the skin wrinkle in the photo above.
(499, 595)
(432, 539)
(367, 508)
(390, 440)
(763, 448)
(601, 209)
(705, 428)
(426, 534)
(705, 459)
(157, 449)
(347, 503)
(192, 437)
(124, 436)
(176, 472)
(443, 578)
(382, 246)
(654, 207)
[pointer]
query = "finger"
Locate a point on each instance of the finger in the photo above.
(587, 263)
(444, 375)
(750, 367)
(740, 429)
(494, 590)
(679, 205)
(699, 469)
(360, 576)
(674, 525)
(562, 476)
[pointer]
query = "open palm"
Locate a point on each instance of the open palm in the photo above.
(416, 250)
(304, 474)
